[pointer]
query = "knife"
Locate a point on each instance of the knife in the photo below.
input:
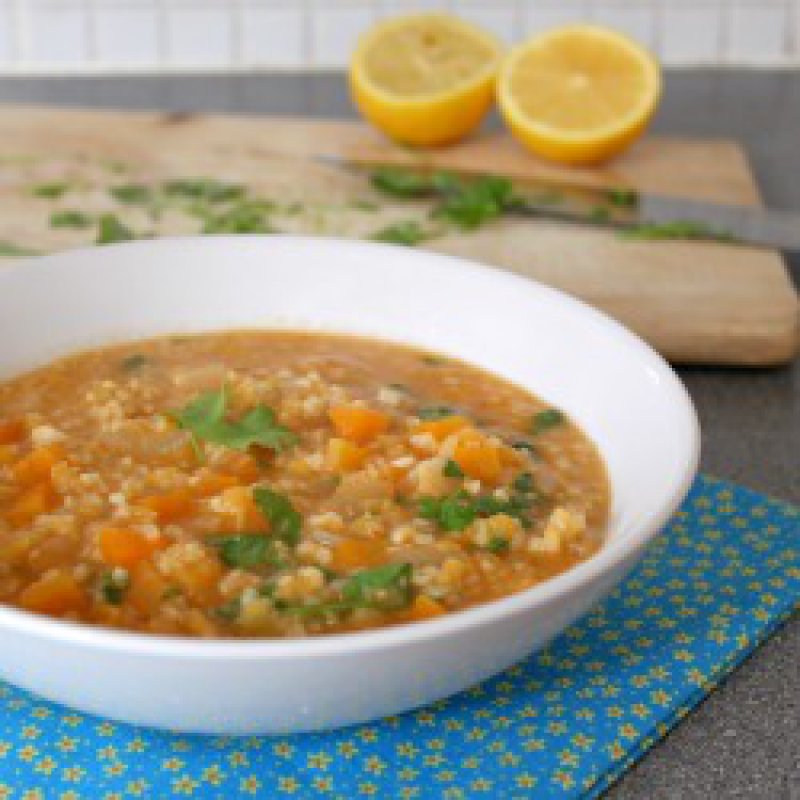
(637, 215)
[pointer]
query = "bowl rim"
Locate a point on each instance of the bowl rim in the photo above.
(610, 555)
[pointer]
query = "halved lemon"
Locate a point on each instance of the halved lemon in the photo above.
(578, 94)
(424, 79)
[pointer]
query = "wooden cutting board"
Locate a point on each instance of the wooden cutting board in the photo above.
(695, 302)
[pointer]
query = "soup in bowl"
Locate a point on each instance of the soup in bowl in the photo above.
(361, 476)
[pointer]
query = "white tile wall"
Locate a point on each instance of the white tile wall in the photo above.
(91, 35)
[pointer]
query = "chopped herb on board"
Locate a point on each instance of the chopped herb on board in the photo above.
(11, 250)
(110, 230)
(476, 203)
(132, 193)
(71, 219)
(50, 191)
(208, 189)
(400, 182)
(408, 233)
(244, 217)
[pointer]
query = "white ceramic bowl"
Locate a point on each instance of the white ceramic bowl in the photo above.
(622, 393)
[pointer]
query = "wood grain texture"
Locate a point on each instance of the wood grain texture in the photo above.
(694, 302)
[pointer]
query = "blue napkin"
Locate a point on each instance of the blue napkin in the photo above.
(562, 724)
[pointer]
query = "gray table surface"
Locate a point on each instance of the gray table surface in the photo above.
(744, 740)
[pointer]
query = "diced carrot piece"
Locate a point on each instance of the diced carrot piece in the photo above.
(7, 453)
(171, 506)
(241, 465)
(350, 554)
(424, 607)
(214, 483)
(344, 456)
(123, 547)
(54, 593)
(477, 457)
(243, 512)
(440, 429)
(147, 588)
(34, 500)
(36, 466)
(359, 425)
(11, 431)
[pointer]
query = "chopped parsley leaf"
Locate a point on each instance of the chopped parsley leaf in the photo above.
(51, 191)
(70, 219)
(113, 586)
(544, 420)
(9, 250)
(133, 362)
(205, 419)
(452, 469)
(498, 544)
(401, 182)
(247, 550)
(408, 233)
(132, 193)
(285, 522)
(435, 412)
(111, 230)
(208, 189)
(624, 198)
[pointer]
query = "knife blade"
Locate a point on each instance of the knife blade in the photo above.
(636, 214)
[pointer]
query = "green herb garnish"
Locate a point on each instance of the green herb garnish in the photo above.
(205, 419)
(247, 550)
(435, 412)
(599, 214)
(229, 611)
(51, 191)
(387, 587)
(521, 444)
(408, 233)
(433, 361)
(132, 193)
(453, 513)
(675, 230)
(498, 544)
(285, 522)
(452, 469)
(113, 586)
(544, 420)
(110, 230)
(523, 483)
(70, 219)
